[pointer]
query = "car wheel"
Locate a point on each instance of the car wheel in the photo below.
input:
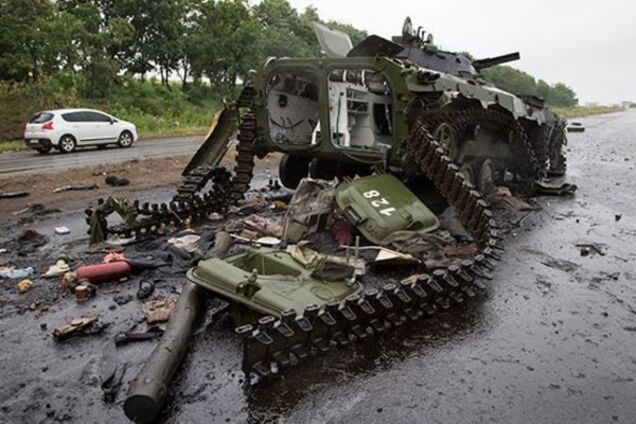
(125, 139)
(67, 144)
(43, 150)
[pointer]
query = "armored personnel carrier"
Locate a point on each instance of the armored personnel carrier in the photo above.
(401, 107)
(358, 107)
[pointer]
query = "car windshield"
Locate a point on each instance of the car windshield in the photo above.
(40, 118)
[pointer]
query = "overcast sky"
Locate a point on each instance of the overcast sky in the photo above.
(588, 44)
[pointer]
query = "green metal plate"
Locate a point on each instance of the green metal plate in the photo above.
(379, 205)
(268, 281)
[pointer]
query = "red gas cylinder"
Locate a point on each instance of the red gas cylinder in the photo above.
(104, 272)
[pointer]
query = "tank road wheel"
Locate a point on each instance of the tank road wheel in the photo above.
(446, 135)
(468, 171)
(486, 177)
(292, 169)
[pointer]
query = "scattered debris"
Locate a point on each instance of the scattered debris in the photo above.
(24, 286)
(575, 127)
(13, 194)
(60, 268)
(450, 222)
(62, 230)
(145, 289)
(268, 241)
(75, 188)
(502, 198)
(562, 264)
(278, 205)
(215, 216)
(68, 280)
(327, 267)
(100, 273)
(111, 385)
(131, 336)
(114, 181)
(342, 232)
(159, 310)
(122, 299)
(587, 248)
(37, 209)
(306, 213)
(76, 327)
(97, 216)
(3, 250)
(618, 217)
(10, 272)
(85, 291)
(187, 243)
(390, 257)
(264, 226)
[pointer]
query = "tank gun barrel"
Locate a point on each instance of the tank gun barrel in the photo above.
(497, 60)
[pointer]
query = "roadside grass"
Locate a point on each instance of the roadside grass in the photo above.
(583, 111)
(12, 146)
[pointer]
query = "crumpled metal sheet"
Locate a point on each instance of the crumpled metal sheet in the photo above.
(313, 200)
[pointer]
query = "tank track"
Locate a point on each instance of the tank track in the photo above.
(190, 203)
(271, 345)
(532, 168)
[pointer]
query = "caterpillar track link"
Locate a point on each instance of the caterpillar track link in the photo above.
(204, 190)
(273, 344)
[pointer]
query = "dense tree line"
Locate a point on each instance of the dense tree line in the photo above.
(98, 43)
(195, 39)
(516, 81)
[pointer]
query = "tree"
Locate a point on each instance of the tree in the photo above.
(25, 54)
(511, 79)
(562, 95)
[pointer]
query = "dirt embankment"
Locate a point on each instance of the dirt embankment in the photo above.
(144, 175)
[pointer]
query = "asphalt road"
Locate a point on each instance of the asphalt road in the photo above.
(553, 340)
(26, 161)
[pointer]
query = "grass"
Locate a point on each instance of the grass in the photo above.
(12, 146)
(583, 111)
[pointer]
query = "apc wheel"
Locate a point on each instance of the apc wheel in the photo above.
(447, 138)
(468, 171)
(125, 139)
(67, 144)
(486, 178)
(292, 169)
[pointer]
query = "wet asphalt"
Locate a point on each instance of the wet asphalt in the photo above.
(30, 161)
(552, 340)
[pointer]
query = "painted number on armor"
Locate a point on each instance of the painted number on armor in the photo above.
(379, 203)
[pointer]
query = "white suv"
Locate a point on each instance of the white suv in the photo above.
(67, 129)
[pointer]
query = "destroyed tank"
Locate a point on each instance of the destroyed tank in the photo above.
(355, 108)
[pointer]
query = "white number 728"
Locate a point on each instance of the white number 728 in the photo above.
(379, 203)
